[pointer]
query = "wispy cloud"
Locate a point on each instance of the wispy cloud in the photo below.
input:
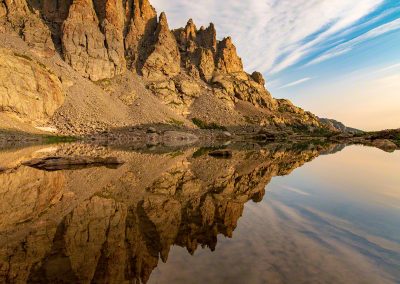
(295, 83)
(389, 68)
(274, 35)
(349, 45)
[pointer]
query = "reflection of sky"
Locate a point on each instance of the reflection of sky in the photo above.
(335, 220)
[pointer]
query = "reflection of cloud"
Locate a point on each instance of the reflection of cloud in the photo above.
(296, 190)
(275, 243)
(295, 83)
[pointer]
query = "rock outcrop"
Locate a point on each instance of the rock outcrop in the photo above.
(16, 16)
(28, 90)
(227, 59)
(83, 43)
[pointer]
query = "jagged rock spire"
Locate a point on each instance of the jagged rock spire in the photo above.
(141, 23)
(164, 60)
(227, 59)
(207, 38)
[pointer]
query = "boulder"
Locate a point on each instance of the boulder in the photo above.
(189, 88)
(258, 78)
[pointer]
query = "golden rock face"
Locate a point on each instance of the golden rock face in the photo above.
(28, 90)
(113, 225)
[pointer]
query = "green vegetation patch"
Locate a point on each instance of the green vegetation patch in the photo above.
(52, 139)
(397, 139)
(176, 154)
(176, 122)
(204, 125)
(104, 83)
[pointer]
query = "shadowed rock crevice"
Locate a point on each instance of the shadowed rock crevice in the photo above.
(56, 265)
(53, 13)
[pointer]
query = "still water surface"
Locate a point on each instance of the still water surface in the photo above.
(267, 215)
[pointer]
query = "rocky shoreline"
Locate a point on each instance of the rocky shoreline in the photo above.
(176, 137)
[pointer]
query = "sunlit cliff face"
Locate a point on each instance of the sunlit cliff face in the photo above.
(112, 225)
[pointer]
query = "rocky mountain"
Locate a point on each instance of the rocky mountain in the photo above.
(340, 126)
(83, 66)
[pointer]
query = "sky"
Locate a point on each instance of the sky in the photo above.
(336, 58)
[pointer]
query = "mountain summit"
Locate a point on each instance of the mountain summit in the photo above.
(83, 66)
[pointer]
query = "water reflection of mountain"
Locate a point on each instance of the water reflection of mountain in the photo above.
(104, 225)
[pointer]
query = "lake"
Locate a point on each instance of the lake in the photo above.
(266, 214)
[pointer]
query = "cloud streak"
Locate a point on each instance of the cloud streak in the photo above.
(349, 45)
(271, 35)
(295, 83)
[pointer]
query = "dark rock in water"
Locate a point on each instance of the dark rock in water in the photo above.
(226, 154)
(72, 163)
(151, 130)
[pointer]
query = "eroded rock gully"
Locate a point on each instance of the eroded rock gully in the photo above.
(114, 225)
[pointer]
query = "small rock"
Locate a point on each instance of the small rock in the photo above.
(225, 154)
(151, 130)
(67, 83)
(227, 134)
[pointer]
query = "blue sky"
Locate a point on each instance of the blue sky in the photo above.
(336, 58)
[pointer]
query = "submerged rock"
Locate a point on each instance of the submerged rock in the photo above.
(226, 154)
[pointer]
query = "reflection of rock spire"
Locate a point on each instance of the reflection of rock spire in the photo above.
(135, 214)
